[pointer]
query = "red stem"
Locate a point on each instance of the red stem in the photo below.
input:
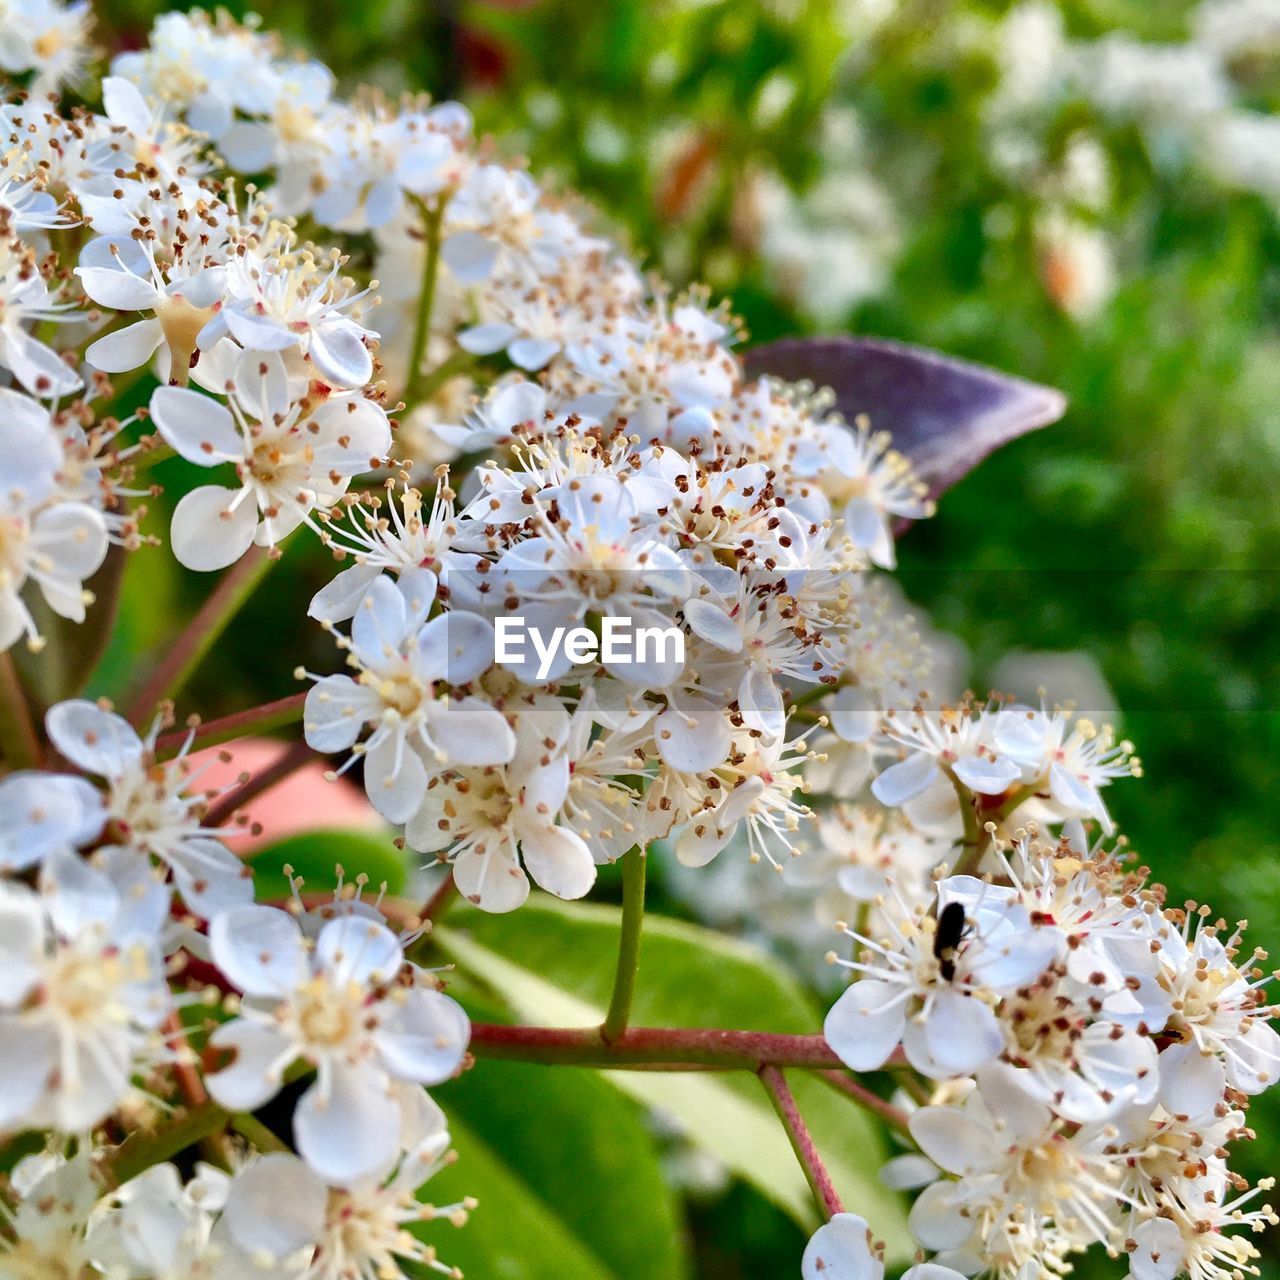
(673, 1046)
(270, 715)
(824, 1191)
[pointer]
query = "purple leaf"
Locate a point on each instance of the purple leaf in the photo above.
(945, 414)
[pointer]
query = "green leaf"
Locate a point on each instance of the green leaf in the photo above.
(523, 1113)
(314, 855)
(513, 1233)
(559, 975)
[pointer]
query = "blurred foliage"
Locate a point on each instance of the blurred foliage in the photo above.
(1143, 530)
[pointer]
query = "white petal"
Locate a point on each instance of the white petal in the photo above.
(125, 105)
(76, 895)
(254, 1075)
(987, 776)
(961, 1033)
(210, 878)
(456, 647)
(1160, 1252)
(22, 937)
(118, 289)
(197, 426)
(126, 349)
(492, 878)
(259, 949)
(471, 732)
(339, 599)
(277, 1206)
(559, 861)
(335, 711)
(1255, 1062)
(351, 949)
(424, 1036)
(208, 532)
(378, 626)
(954, 1140)
(351, 1131)
(340, 356)
(28, 1056)
(94, 740)
(712, 624)
(905, 780)
(908, 1172)
(693, 734)
(862, 1027)
(470, 256)
(855, 714)
(395, 779)
(841, 1250)
(1191, 1082)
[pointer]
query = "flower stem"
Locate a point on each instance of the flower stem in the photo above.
(140, 1151)
(201, 633)
(672, 1048)
(432, 217)
(260, 1137)
(634, 865)
(19, 738)
(260, 719)
(815, 1172)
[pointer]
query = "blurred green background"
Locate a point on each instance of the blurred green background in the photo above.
(917, 169)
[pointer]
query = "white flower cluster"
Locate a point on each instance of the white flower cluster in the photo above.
(582, 451)
(87, 1016)
(1193, 98)
(217, 1226)
(1094, 1053)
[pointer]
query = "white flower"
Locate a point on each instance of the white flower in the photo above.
(276, 296)
(488, 822)
(392, 534)
(959, 741)
(45, 1229)
(82, 995)
(46, 37)
(156, 1227)
(294, 452)
(405, 665)
(841, 1250)
(150, 808)
(1028, 1189)
(935, 997)
(25, 300)
(55, 544)
(868, 482)
(337, 1233)
(350, 1008)
(162, 255)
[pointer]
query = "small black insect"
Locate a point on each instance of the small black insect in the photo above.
(951, 928)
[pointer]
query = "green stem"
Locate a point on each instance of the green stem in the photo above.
(202, 632)
(634, 865)
(432, 218)
(19, 739)
(139, 1152)
(260, 1137)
